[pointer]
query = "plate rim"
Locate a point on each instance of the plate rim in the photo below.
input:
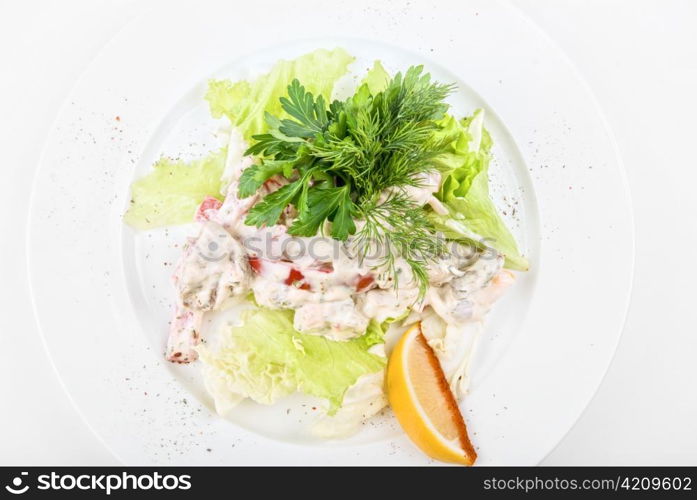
(618, 159)
(627, 193)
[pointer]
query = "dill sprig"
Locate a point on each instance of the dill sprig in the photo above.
(352, 161)
(396, 226)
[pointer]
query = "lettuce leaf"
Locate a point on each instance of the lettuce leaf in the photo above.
(377, 78)
(465, 190)
(245, 103)
(374, 334)
(172, 192)
(266, 359)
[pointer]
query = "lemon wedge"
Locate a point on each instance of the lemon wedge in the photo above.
(423, 402)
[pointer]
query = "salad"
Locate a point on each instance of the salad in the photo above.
(339, 221)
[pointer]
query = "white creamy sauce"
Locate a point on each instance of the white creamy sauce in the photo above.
(337, 320)
(387, 304)
(212, 269)
(428, 183)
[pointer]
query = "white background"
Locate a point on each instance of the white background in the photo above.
(640, 59)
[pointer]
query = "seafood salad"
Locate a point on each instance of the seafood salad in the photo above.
(338, 221)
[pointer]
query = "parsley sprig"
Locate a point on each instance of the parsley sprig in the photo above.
(350, 162)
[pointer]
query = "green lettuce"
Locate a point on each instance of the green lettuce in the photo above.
(172, 192)
(464, 191)
(377, 78)
(246, 103)
(266, 359)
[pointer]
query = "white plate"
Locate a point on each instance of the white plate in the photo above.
(101, 291)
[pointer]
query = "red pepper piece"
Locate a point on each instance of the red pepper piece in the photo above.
(364, 282)
(326, 267)
(208, 204)
(255, 264)
(295, 277)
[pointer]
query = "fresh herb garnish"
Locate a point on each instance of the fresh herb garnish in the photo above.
(350, 162)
